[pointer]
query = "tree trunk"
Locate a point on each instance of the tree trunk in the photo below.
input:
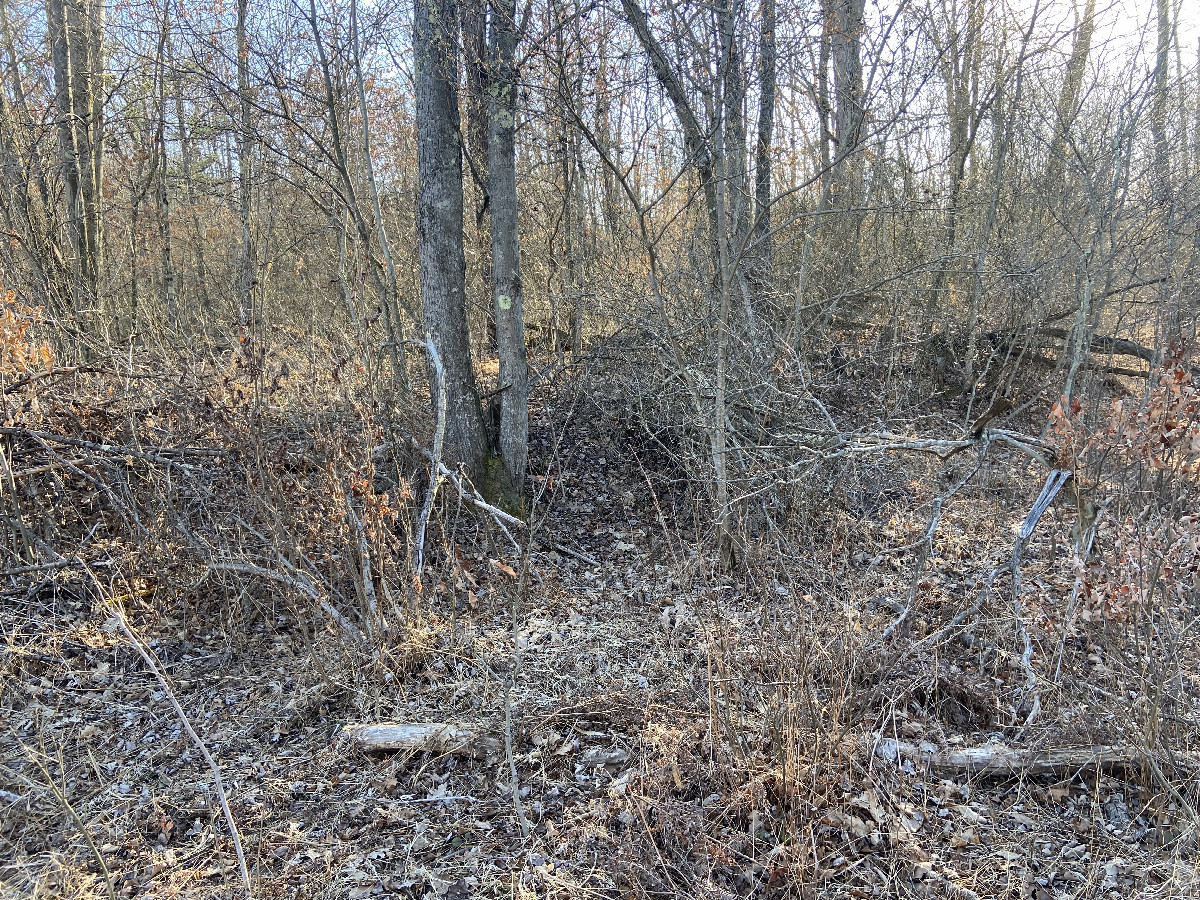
(84, 25)
(1158, 110)
(26, 192)
(440, 227)
(960, 58)
(734, 129)
(846, 49)
(164, 198)
(506, 264)
(1003, 140)
(393, 321)
(696, 143)
(762, 152)
(189, 186)
(1068, 102)
(68, 137)
(473, 14)
(246, 247)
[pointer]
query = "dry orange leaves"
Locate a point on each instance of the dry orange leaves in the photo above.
(19, 352)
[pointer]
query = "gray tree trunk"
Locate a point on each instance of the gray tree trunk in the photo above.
(762, 150)
(734, 120)
(164, 197)
(1158, 110)
(845, 44)
(69, 151)
(187, 169)
(961, 56)
(506, 262)
(27, 191)
(473, 14)
(440, 227)
(76, 31)
(1068, 101)
(84, 23)
(246, 247)
(846, 48)
(393, 320)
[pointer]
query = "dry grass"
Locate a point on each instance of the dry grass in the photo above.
(677, 731)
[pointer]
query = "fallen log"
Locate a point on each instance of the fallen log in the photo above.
(413, 737)
(1010, 338)
(1000, 761)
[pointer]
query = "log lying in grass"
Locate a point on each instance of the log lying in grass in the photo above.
(999, 761)
(414, 737)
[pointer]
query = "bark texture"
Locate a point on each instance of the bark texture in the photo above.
(440, 226)
(506, 262)
(76, 37)
(762, 150)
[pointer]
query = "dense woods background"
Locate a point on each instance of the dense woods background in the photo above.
(764, 434)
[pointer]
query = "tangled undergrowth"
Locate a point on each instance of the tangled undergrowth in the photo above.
(802, 727)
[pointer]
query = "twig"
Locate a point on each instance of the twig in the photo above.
(300, 583)
(150, 662)
(1054, 483)
(72, 370)
(364, 555)
(37, 376)
(116, 449)
(473, 497)
(562, 548)
(66, 804)
(435, 470)
(42, 567)
(926, 544)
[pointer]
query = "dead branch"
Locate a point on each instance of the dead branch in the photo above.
(364, 556)
(435, 457)
(1054, 483)
(415, 737)
(163, 455)
(152, 664)
(998, 760)
(300, 583)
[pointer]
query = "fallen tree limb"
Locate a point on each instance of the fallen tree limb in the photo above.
(998, 760)
(413, 737)
(163, 456)
(1097, 343)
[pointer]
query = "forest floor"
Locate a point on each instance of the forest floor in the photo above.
(675, 732)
